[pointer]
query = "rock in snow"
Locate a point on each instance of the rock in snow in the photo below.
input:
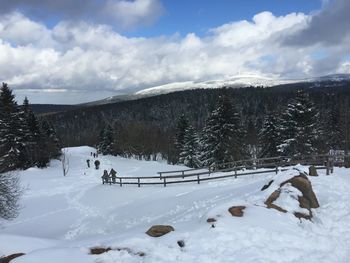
(237, 210)
(159, 230)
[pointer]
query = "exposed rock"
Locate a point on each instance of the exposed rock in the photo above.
(302, 215)
(266, 185)
(273, 197)
(211, 220)
(304, 186)
(237, 210)
(307, 200)
(99, 250)
(8, 258)
(312, 171)
(181, 243)
(159, 230)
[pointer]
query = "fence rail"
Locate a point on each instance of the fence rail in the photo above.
(226, 170)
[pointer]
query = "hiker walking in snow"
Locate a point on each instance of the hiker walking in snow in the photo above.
(113, 175)
(105, 177)
(88, 163)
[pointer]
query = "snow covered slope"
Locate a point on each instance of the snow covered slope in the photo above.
(62, 217)
(237, 82)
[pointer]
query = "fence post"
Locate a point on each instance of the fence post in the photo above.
(160, 176)
(183, 175)
(120, 182)
(327, 168)
(332, 167)
(198, 178)
(164, 181)
(235, 168)
(138, 181)
(276, 169)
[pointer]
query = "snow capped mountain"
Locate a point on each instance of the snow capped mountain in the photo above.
(239, 81)
(236, 82)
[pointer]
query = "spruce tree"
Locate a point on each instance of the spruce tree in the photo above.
(222, 136)
(299, 127)
(269, 137)
(189, 155)
(12, 141)
(106, 144)
(331, 132)
(182, 125)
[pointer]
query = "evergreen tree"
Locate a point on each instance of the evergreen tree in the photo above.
(51, 147)
(299, 127)
(106, 144)
(189, 154)
(12, 141)
(331, 132)
(269, 137)
(181, 127)
(222, 137)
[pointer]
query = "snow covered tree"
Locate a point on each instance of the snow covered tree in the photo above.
(331, 132)
(189, 155)
(181, 127)
(10, 192)
(299, 127)
(106, 144)
(222, 136)
(12, 141)
(269, 137)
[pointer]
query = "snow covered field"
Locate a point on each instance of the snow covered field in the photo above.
(62, 217)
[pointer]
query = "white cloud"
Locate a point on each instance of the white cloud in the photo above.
(122, 14)
(93, 61)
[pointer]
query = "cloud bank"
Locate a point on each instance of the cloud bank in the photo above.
(123, 14)
(91, 58)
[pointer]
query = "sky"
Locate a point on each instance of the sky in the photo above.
(68, 52)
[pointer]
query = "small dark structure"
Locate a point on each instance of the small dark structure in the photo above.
(97, 164)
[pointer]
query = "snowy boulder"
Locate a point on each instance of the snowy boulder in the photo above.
(237, 210)
(295, 195)
(272, 198)
(159, 230)
(308, 199)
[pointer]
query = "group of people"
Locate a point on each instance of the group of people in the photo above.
(107, 176)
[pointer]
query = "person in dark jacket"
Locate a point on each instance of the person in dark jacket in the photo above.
(105, 177)
(113, 175)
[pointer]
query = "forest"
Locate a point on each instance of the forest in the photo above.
(260, 122)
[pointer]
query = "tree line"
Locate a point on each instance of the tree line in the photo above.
(147, 128)
(25, 140)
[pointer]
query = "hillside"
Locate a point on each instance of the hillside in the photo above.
(83, 213)
(155, 117)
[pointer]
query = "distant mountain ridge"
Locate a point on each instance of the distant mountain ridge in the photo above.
(241, 81)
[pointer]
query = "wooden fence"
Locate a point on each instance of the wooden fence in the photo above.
(226, 170)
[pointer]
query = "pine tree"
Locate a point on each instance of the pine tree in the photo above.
(269, 137)
(182, 125)
(222, 136)
(12, 141)
(106, 144)
(298, 127)
(331, 132)
(189, 155)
